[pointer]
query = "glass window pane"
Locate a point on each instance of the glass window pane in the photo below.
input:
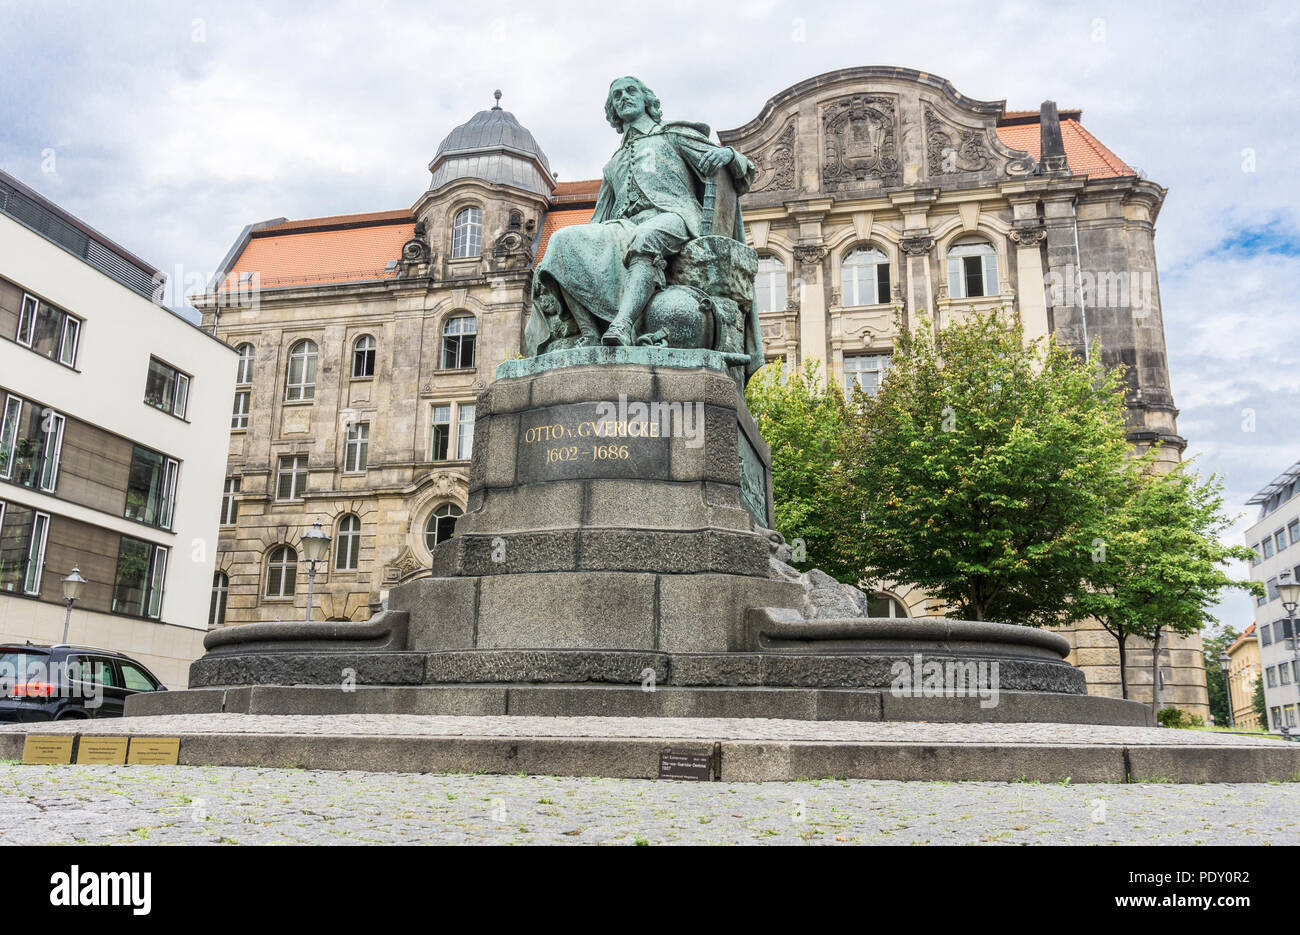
(465, 432)
(130, 584)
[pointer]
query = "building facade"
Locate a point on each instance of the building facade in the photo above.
(882, 193)
(111, 444)
(1275, 537)
(1243, 675)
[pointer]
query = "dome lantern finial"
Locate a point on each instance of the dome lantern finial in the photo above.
(497, 94)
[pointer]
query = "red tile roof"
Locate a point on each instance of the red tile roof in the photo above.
(341, 248)
(1086, 155)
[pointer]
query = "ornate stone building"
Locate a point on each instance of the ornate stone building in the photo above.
(881, 193)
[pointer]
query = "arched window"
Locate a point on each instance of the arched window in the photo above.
(769, 285)
(220, 591)
(245, 374)
(363, 357)
(281, 572)
(458, 336)
(441, 524)
(467, 233)
(347, 549)
(864, 277)
(972, 269)
(882, 604)
(301, 383)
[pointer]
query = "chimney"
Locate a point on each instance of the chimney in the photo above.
(1052, 146)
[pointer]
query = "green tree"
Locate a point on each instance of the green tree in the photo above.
(984, 470)
(1260, 710)
(805, 421)
(1158, 569)
(1215, 645)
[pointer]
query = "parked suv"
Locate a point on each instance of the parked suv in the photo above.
(51, 683)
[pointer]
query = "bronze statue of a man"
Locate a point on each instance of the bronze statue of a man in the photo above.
(650, 205)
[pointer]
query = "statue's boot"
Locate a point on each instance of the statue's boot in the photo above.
(638, 289)
(588, 325)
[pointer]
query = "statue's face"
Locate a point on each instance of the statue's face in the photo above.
(628, 99)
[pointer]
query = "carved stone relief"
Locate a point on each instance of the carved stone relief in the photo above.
(776, 164)
(858, 142)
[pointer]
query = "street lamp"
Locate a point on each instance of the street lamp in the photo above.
(1224, 662)
(315, 546)
(73, 587)
(1289, 591)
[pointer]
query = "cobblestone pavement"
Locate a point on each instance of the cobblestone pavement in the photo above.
(229, 805)
(392, 725)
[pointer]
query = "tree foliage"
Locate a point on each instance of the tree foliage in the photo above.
(984, 470)
(806, 422)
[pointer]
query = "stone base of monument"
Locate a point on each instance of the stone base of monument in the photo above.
(617, 558)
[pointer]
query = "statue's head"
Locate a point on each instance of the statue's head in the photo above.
(627, 100)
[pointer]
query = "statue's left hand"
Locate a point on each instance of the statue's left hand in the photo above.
(715, 159)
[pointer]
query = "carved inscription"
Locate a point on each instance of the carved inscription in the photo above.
(581, 441)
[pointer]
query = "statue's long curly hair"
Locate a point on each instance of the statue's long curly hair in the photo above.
(652, 106)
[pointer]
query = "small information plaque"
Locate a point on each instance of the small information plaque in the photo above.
(101, 751)
(675, 764)
(154, 751)
(44, 749)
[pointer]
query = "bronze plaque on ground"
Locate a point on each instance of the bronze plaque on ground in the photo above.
(154, 751)
(677, 765)
(101, 751)
(43, 749)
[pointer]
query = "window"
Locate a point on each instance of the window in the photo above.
(134, 679)
(467, 233)
(358, 445)
(245, 372)
(281, 572)
(151, 488)
(1266, 635)
(458, 336)
(291, 478)
(69, 340)
(1271, 589)
(1268, 547)
(1293, 532)
(881, 604)
(9, 435)
(972, 269)
(301, 383)
(1255, 560)
(1284, 674)
(27, 321)
(141, 572)
(239, 414)
(1271, 672)
(441, 433)
(220, 592)
(47, 474)
(866, 371)
(36, 554)
(1279, 537)
(166, 388)
(230, 505)
(465, 431)
(441, 525)
(363, 358)
(348, 549)
(769, 285)
(864, 278)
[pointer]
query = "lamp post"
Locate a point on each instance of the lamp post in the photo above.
(1224, 662)
(315, 546)
(1289, 591)
(73, 587)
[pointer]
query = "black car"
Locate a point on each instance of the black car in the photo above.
(51, 683)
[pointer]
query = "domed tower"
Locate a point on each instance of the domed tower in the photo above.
(489, 190)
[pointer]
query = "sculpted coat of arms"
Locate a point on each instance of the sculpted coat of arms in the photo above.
(858, 140)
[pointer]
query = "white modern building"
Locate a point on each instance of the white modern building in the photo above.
(113, 440)
(1275, 537)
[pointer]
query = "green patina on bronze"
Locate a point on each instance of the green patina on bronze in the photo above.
(663, 262)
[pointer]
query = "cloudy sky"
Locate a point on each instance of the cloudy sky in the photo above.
(171, 125)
